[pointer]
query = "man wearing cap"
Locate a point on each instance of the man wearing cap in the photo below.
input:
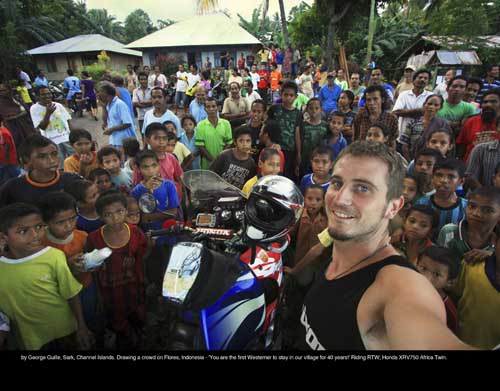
(329, 94)
(409, 103)
(407, 83)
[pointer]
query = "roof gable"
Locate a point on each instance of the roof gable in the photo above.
(84, 43)
(202, 30)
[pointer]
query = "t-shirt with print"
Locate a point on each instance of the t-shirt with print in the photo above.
(456, 113)
(233, 170)
(58, 127)
(289, 120)
(312, 136)
(181, 81)
(305, 82)
(165, 194)
(308, 180)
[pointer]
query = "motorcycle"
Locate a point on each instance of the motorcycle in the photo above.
(225, 289)
(57, 91)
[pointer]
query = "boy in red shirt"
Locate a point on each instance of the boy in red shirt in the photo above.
(8, 155)
(263, 82)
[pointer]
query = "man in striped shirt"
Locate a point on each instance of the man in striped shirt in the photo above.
(490, 81)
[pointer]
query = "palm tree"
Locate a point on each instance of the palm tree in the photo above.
(34, 30)
(284, 28)
(205, 6)
(106, 24)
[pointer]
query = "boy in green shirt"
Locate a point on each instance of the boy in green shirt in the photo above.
(38, 293)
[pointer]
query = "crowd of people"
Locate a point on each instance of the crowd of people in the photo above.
(399, 182)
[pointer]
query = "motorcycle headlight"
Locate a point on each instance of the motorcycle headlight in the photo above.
(226, 215)
(240, 215)
(182, 271)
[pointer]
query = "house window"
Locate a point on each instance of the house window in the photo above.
(217, 59)
(50, 65)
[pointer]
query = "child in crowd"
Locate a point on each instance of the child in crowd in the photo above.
(411, 192)
(478, 301)
(425, 160)
(102, 179)
(257, 117)
(188, 138)
(335, 139)
(236, 165)
(59, 212)
(162, 189)
(84, 159)
(41, 158)
(439, 266)
(269, 164)
(442, 141)
(156, 137)
(380, 133)
(38, 293)
(9, 166)
(289, 119)
(121, 277)
(322, 164)
(312, 131)
(446, 177)
(269, 137)
(22, 90)
(133, 211)
(474, 238)
(109, 158)
(131, 147)
(312, 222)
(179, 150)
(417, 230)
(85, 193)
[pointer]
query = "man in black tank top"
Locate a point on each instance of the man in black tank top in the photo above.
(369, 297)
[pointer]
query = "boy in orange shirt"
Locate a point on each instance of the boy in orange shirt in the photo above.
(276, 77)
(59, 212)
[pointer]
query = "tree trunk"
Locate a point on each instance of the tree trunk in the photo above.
(330, 41)
(371, 33)
(284, 28)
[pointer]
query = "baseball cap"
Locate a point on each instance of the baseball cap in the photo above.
(412, 67)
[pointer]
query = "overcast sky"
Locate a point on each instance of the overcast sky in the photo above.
(183, 9)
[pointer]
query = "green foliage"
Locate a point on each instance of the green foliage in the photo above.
(137, 25)
(11, 49)
(465, 18)
(95, 70)
(264, 29)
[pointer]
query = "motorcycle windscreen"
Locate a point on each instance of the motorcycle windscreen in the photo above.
(182, 270)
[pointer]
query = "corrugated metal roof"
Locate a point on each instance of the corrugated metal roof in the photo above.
(202, 30)
(484, 40)
(454, 58)
(84, 43)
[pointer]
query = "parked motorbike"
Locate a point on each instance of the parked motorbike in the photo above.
(57, 90)
(226, 284)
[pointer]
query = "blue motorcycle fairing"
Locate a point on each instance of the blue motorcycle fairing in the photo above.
(237, 317)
